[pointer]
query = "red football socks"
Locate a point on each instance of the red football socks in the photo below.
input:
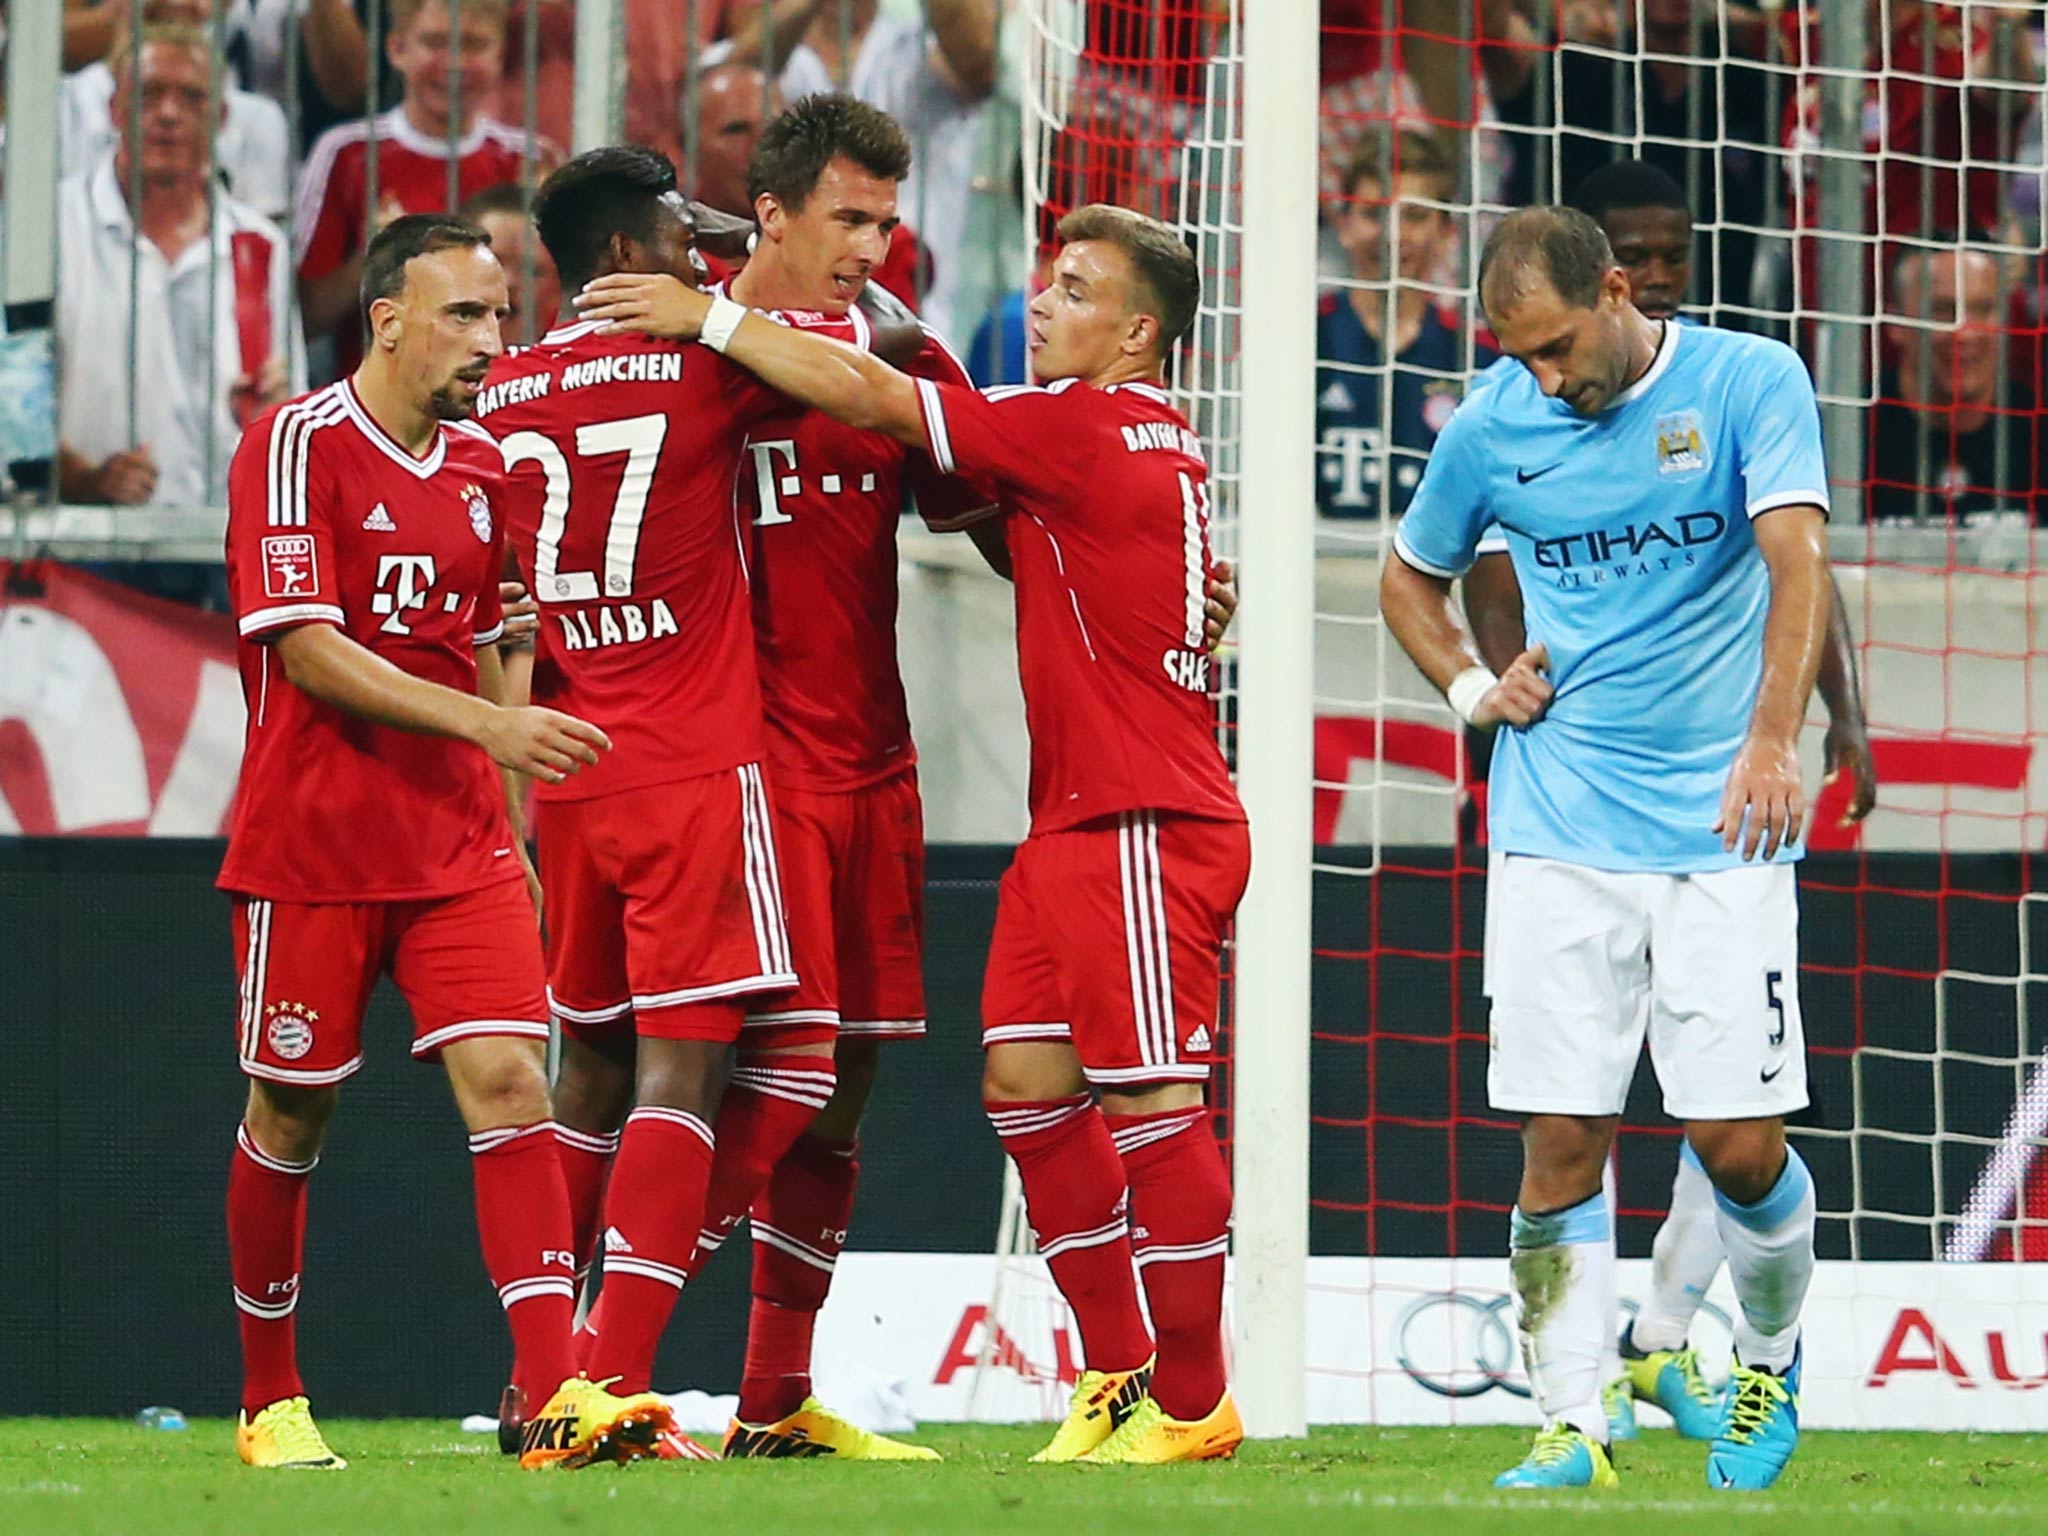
(1180, 1216)
(767, 1104)
(522, 1222)
(1075, 1191)
(799, 1227)
(266, 1241)
(653, 1211)
(586, 1159)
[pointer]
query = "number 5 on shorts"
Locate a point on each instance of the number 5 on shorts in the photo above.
(1772, 981)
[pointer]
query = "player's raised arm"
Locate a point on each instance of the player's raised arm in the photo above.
(842, 381)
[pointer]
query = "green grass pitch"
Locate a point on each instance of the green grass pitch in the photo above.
(84, 1477)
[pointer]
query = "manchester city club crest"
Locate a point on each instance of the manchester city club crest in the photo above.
(479, 512)
(1681, 444)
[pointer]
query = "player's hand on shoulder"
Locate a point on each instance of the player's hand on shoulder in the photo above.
(1222, 604)
(543, 743)
(654, 303)
(1523, 693)
(1764, 805)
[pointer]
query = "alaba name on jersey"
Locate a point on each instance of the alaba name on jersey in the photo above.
(624, 455)
(825, 499)
(332, 522)
(1107, 495)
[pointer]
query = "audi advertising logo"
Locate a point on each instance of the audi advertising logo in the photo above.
(1462, 1343)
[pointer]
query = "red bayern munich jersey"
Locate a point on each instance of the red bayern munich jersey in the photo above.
(412, 170)
(825, 500)
(332, 522)
(624, 454)
(1107, 492)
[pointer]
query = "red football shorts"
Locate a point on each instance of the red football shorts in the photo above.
(660, 900)
(467, 965)
(853, 883)
(1110, 936)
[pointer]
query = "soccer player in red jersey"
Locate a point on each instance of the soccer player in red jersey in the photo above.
(663, 889)
(369, 834)
(825, 503)
(1103, 970)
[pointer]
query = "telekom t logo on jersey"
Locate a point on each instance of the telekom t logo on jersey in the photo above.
(775, 476)
(403, 582)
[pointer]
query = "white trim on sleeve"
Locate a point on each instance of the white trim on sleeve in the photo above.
(290, 613)
(935, 425)
(1778, 499)
(1407, 553)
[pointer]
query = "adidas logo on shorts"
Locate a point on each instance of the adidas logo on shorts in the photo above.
(1199, 1040)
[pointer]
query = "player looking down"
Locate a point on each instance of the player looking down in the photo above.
(1103, 971)
(365, 538)
(1643, 213)
(1664, 500)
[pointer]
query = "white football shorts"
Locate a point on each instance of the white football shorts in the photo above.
(1582, 963)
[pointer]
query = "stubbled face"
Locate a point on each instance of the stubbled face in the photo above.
(1957, 294)
(433, 53)
(1086, 318)
(515, 243)
(445, 327)
(833, 242)
(1579, 356)
(733, 106)
(1654, 247)
(1425, 232)
(177, 111)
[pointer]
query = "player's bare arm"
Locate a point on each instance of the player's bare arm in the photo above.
(842, 381)
(1847, 748)
(1420, 611)
(1493, 607)
(322, 661)
(494, 685)
(1764, 805)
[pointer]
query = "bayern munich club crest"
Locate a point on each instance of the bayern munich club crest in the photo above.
(289, 1030)
(479, 512)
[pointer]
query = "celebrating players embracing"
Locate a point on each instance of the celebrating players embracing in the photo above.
(1664, 500)
(664, 896)
(365, 538)
(1103, 969)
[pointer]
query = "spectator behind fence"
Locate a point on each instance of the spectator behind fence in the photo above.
(253, 147)
(1430, 340)
(331, 62)
(449, 79)
(502, 213)
(933, 85)
(1700, 104)
(734, 103)
(212, 332)
(1947, 444)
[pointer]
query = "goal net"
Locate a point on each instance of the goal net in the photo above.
(1866, 184)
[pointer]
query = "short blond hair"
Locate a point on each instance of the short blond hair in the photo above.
(163, 34)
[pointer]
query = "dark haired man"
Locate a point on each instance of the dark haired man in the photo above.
(1664, 500)
(663, 884)
(1103, 971)
(365, 535)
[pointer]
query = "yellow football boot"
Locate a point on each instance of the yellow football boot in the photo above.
(815, 1430)
(284, 1435)
(1101, 1402)
(583, 1423)
(1149, 1437)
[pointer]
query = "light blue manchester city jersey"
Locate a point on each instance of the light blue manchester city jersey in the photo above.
(1630, 534)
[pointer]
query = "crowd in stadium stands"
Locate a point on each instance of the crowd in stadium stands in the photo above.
(465, 109)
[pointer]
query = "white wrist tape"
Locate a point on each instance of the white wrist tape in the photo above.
(724, 319)
(1467, 689)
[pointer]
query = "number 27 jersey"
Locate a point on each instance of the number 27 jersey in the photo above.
(624, 454)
